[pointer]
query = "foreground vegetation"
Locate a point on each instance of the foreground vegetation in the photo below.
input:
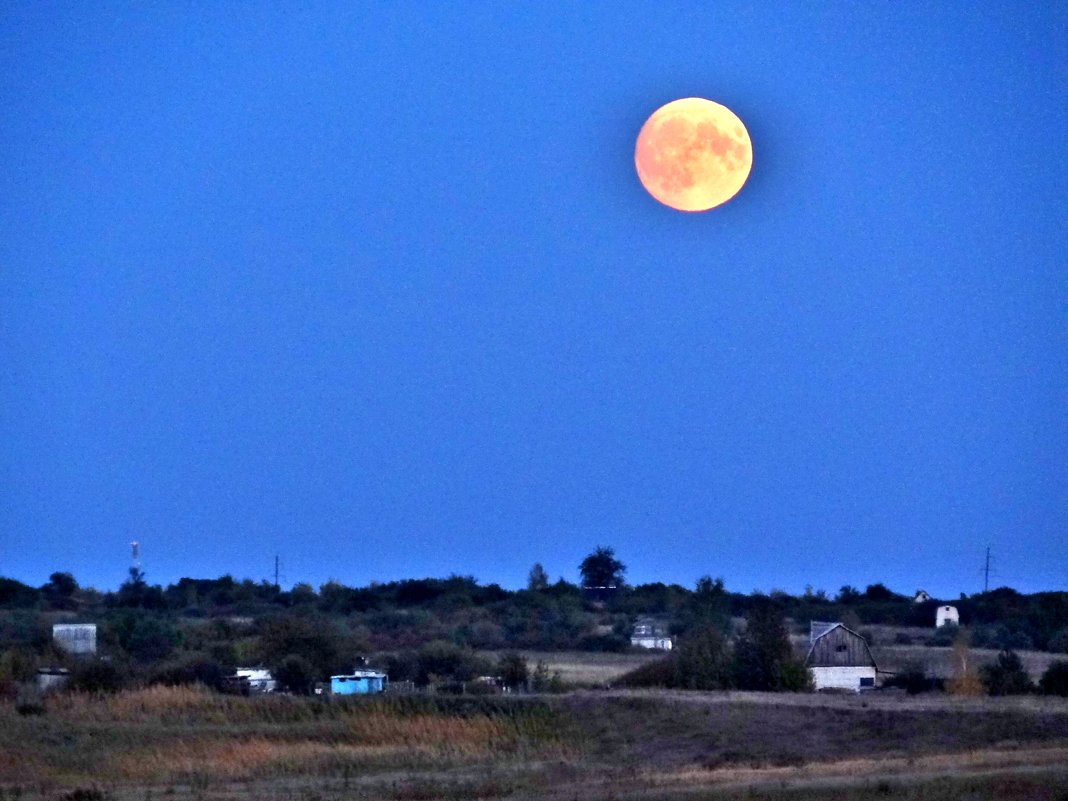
(193, 743)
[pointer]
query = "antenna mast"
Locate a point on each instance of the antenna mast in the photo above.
(986, 571)
(135, 555)
(276, 572)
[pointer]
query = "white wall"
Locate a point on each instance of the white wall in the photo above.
(663, 643)
(844, 678)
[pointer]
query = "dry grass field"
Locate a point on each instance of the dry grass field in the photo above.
(586, 670)
(938, 661)
(597, 745)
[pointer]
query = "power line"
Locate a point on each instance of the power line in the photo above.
(986, 572)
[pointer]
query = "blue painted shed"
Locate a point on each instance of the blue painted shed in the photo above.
(359, 682)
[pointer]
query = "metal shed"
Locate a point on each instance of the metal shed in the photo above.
(359, 682)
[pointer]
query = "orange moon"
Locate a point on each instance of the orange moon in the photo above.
(693, 154)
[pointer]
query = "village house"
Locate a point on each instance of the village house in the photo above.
(922, 597)
(648, 633)
(839, 658)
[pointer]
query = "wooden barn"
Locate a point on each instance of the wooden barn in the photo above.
(840, 659)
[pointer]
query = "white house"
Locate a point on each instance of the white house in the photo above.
(946, 614)
(922, 597)
(647, 634)
(840, 659)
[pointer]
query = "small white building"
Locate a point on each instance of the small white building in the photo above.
(647, 634)
(840, 659)
(946, 614)
(259, 680)
(75, 638)
(922, 597)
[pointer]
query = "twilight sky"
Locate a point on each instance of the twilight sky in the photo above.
(374, 286)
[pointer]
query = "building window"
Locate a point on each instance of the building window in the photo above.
(842, 649)
(867, 681)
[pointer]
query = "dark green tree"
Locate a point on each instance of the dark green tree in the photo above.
(296, 674)
(708, 605)
(513, 670)
(537, 579)
(703, 660)
(848, 595)
(314, 638)
(602, 569)
(59, 591)
(764, 659)
(150, 639)
(135, 592)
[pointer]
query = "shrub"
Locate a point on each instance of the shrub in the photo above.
(447, 661)
(191, 669)
(1058, 643)
(658, 673)
(945, 636)
(30, 706)
(913, 679)
(1055, 680)
(1006, 676)
(542, 681)
(98, 676)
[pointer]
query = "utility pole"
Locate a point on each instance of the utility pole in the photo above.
(276, 572)
(986, 571)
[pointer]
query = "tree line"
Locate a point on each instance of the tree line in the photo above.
(196, 629)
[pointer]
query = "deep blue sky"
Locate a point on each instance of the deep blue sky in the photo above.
(375, 287)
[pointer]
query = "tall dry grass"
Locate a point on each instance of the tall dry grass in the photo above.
(167, 734)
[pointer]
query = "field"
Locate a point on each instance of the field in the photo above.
(584, 669)
(176, 743)
(587, 670)
(938, 661)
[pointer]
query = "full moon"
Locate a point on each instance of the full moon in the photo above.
(693, 154)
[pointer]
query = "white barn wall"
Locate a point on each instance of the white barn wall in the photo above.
(842, 678)
(946, 614)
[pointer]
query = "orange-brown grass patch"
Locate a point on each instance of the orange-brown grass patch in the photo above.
(256, 758)
(174, 705)
(164, 734)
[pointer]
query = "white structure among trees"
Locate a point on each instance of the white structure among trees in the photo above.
(75, 638)
(947, 614)
(647, 634)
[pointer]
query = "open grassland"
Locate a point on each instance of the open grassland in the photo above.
(594, 745)
(939, 661)
(586, 669)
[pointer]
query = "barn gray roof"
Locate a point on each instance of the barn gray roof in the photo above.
(823, 634)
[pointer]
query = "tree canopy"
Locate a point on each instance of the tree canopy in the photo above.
(602, 569)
